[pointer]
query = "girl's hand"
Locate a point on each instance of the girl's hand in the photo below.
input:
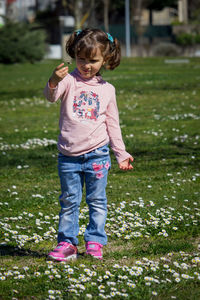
(125, 164)
(58, 74)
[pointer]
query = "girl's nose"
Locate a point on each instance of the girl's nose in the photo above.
(87, 64)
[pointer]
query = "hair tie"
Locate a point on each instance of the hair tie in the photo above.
(110, 37)
(78, 31)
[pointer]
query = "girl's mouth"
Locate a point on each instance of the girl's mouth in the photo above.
(86, 70)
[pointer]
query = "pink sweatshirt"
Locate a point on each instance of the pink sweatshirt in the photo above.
(88, 115)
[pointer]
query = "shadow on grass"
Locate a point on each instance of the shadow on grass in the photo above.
(6, 250)
(172, 151)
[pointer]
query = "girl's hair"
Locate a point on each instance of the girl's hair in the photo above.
(85, 42)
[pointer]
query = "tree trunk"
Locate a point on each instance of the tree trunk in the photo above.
(150, 16)
(78, 7)
(150, 23)
(36, 6)
(137, 13)
(106, 15)
(92, 19)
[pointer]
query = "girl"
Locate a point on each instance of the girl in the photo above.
(88, 123)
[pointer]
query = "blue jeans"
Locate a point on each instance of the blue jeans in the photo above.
(92, 169)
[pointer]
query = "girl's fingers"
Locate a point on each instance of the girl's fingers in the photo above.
(60, 66)
(62, 72)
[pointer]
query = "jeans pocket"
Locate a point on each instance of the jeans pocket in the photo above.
(102, 151)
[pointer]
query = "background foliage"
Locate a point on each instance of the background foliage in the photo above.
(20, 42)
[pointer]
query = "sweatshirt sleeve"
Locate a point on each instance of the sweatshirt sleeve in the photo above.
(53, 94)
(114, 131)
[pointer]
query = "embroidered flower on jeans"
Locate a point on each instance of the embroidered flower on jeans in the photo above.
(107, 165)
(97, 167)
(99, 175)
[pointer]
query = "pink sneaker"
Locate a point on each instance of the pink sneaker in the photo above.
(94, 249)
(64, 251)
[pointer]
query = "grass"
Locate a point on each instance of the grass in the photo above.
(153, 211)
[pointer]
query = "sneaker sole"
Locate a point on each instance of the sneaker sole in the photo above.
(97, 257)
(71, 257)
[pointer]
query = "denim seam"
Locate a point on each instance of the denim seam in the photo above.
(77, 212)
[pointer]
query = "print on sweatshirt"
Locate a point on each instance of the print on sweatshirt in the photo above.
(86, 106)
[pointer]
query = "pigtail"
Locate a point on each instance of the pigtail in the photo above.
(114, 56)
(70, 45)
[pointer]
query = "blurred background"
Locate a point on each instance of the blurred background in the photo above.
(144, 27)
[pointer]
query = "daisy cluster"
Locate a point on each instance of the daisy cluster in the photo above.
(177, 181)
(185, 138)
(145, 276)
(182, 138)
(158, 132)
(16, 229)
(29, 144)
(177, 117)
(34, 101)
(127, 220)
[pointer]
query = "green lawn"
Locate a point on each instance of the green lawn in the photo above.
(153, 211)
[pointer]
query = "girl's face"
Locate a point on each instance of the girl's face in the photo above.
(89, 67)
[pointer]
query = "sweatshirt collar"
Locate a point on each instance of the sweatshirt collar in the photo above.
(96, 80)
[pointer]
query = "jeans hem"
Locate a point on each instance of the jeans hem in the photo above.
(96, 240)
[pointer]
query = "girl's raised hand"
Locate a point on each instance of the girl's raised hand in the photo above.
(125, 164)
(58, 74)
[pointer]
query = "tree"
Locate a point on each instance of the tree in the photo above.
(20, 42)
